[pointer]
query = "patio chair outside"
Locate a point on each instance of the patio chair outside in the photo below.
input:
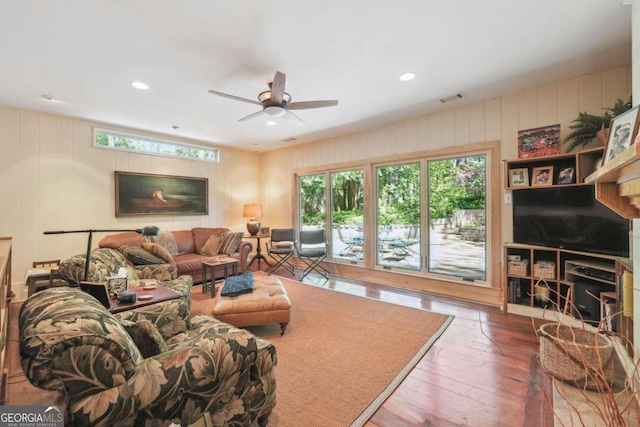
(353, 245)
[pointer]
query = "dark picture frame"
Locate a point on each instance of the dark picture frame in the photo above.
(141, 194)
(542, 176)
(566, 176)
(622, 132)
(539, 142)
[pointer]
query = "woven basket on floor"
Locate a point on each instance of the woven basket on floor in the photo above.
(574, 355)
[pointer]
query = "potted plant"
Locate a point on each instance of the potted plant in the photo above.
(588, 126)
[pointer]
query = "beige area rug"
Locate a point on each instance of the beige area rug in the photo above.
(341, 355)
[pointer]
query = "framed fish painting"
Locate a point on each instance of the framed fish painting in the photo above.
(140, 194)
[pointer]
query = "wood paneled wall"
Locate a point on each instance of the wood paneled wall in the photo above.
(493, 119)
(51, 178)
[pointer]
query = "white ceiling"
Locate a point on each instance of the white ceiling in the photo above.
(85, 53)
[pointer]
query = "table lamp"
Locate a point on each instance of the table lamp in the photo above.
(150, 230)
(253, 211)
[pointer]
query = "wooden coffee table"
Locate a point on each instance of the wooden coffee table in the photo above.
(212, 264)
(159, 294)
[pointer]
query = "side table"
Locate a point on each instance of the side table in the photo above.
(145, 296)
(258, 255)
(209, 285)
(35, 275)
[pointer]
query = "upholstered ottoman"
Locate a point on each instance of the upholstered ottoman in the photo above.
(268, 303)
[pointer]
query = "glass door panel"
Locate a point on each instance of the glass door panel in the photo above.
(313, 198)
(398, 216)
(457, 211)
(347, 215)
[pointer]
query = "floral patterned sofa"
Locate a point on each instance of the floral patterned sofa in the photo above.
(148, 366)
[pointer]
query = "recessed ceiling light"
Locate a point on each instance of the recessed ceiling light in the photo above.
(49, 98)
(139, 85)
(407, 76)
(271, 123)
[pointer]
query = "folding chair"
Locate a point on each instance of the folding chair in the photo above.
(312, 250)
(281, 247)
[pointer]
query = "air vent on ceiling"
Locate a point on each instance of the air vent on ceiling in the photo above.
(451, 98)
(289, 139)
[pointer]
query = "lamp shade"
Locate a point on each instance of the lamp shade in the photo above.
(252, 210)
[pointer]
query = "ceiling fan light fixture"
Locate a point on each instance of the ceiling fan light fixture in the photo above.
(275, 111)
(266, 96)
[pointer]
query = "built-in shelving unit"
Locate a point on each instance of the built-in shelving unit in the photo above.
(617, 186)
(618, 183)
(582, 162)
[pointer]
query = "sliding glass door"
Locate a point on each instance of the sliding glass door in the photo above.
(398, 210)
(428, 215)
(347, 215)
(312, 197)
(457, 217)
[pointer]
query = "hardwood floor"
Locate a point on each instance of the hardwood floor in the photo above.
(482, 371)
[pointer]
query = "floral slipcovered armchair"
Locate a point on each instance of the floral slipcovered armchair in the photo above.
(105, 262)
(70, 342)
(169, 317)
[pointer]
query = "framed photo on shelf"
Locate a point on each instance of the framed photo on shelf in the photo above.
(623, 130)
(566, 176)
(519, 177)
(542, 176)
(265, 230)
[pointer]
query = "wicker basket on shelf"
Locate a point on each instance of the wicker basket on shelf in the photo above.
(518, 267)
(544, 270)
(577, 356)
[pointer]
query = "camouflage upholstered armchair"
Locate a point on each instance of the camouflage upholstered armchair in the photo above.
(105, 262)
(149, 366)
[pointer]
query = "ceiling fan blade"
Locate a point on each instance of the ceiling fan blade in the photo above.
(277, 87)
(293, 118)
(305, 105)
(251, 116)
(237, 98)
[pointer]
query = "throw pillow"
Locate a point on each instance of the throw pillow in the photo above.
(167, 240)
(230, 242)
(238, 285)
(140, 256)
(212, 246)
(146, 337)
(158, 251)
(283, 244)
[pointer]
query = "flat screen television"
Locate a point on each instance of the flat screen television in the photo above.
(568, 218)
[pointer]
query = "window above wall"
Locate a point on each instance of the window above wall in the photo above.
(112, 140)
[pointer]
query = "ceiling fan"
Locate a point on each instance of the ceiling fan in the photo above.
(275, 102)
